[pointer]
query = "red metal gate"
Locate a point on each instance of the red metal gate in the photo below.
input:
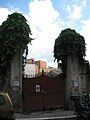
(43, 92)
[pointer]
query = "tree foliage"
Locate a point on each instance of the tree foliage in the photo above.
(69, 42)
(14, 36)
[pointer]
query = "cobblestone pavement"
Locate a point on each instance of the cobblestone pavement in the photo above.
(45, 114)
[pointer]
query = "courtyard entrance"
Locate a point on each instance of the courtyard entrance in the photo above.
(43, 92)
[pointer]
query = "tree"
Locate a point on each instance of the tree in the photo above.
(70, 49)
(14, 36)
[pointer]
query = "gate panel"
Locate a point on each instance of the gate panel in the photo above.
(32, 100)
(54, 89)
(54, 100)
(43, 92)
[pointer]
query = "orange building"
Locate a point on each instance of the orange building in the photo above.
(41, 65)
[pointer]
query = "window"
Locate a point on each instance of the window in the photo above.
(2, 101)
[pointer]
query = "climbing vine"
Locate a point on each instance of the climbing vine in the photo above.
(14, 36)
(69, 42)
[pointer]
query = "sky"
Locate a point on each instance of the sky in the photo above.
(47, 18)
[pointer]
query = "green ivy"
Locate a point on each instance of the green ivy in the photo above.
(14, 36)
(69, 42)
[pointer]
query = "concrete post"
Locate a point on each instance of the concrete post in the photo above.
(75, 82)
(16, 80)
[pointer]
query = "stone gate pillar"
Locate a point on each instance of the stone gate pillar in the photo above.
(16, 80)
(75, 82)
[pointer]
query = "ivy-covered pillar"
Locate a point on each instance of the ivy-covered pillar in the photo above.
(70, 49)
(14, 37)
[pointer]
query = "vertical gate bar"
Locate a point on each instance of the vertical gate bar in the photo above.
(43, 90)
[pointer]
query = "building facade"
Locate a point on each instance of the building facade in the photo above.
(31, 69)
(42, 65)
(34, 68)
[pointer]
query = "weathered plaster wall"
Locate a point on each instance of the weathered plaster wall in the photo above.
(16, 79)
(75, 82)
